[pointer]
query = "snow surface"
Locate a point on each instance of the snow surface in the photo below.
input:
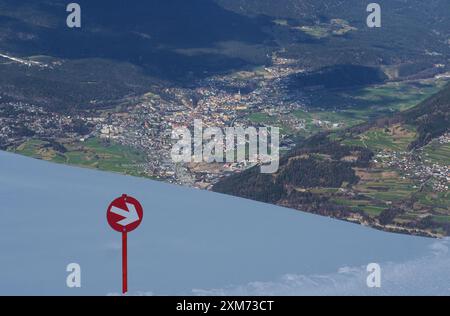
(191, 242)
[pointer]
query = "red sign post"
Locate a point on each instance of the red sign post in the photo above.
(124, 215)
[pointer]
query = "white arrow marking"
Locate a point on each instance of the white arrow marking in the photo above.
(129, 217)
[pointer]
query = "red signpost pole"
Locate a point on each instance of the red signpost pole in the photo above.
(124, 215)
(124, 264)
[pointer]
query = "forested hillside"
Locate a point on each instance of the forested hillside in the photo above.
(378, 173)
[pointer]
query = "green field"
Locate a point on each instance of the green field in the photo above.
(93, 153)
(437, 153)
(389, 190)
(336, 27)
(266, 119)
(310, 119)
(385, 185)
(368, 207)
(373, 211)
(315, 31)
(395, 138)
(260, 117)
(441, 219)
(348, 108)
(399, 96)
(439, 201)
(366, 102)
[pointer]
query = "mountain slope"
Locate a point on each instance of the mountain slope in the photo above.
(146, 34)
(410, 29)
(122, 48)
(154, 43)
(367, 173)
(432, 118)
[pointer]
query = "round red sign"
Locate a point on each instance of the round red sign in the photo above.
(125, 214)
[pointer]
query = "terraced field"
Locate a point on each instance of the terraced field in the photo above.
(364, 205)
(385, 185)
(439, 201)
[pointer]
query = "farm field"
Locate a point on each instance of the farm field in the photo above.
(394, 138)
(338, 109)
(437, 153)
(93, 153)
